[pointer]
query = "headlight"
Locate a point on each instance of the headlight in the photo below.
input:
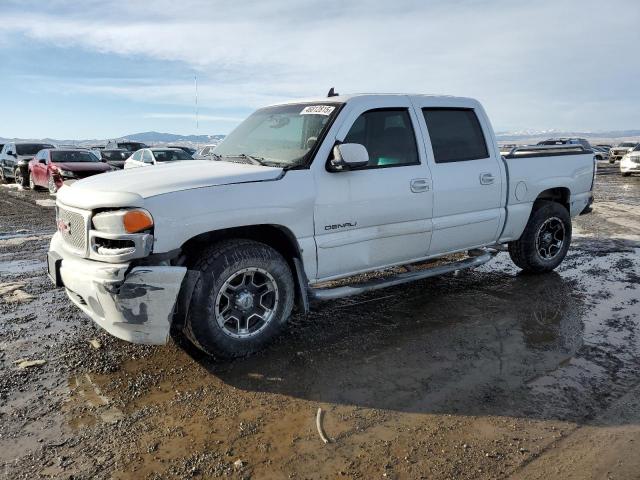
(66, 173)
(123, 221)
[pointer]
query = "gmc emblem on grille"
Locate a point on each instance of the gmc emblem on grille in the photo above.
(64, 227)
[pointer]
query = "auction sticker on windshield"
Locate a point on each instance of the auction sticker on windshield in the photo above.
(317, 110)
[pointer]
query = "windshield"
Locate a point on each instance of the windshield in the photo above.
(171, 155)
(70, 156)
(283, 134)
(115, 154)
(31, 148)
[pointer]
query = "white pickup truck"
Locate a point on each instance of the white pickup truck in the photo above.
(300, 194)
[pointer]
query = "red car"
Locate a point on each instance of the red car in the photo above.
(52, 166)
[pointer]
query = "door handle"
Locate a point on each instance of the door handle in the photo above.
(487, 178)
(419, 185)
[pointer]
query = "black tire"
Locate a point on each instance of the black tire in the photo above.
(224, 262)
(612, 161)
(531, 252)
(19, 178)
(626, 174)
(51, 184)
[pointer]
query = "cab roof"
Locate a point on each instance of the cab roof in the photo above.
(364, 96)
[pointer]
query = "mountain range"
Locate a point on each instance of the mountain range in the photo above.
(504, 136)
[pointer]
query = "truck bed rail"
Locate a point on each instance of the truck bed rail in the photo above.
(528, 151)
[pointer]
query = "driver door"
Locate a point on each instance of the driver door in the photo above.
(380, 214)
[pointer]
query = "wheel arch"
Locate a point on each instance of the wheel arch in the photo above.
(561, 195)
(278, 237)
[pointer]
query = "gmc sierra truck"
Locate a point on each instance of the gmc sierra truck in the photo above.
(299, 195)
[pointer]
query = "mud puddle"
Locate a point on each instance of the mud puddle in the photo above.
(470, 376)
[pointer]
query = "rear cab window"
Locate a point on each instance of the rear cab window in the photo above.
(456, 134)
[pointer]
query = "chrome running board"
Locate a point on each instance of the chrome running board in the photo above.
(339, 292)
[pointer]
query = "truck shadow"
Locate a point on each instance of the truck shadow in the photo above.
(488, 342)
(485, 343)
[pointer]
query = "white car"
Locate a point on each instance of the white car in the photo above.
(302, 193)
(620, 150)
(630, 163)
(205, 152)
(153, 156)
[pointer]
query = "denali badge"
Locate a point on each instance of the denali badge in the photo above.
(340, 225)
(64, 227)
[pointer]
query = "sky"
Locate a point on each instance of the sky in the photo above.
(106, 68)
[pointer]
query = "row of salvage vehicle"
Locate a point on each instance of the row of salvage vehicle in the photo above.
(43, 165)
(628, 153)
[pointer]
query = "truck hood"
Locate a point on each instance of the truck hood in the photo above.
(130, 187)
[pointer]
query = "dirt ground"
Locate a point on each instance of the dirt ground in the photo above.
(488, 374)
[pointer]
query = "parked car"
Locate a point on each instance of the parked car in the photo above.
(205, 152)
(116, 157)
(506, 148)
(125, 144)
(50, 168)
(621, 150)
(189, 150)
(601, 153)
(302, 193)
(14, 159)
(153, 156)
(567, 141)
(630, 163)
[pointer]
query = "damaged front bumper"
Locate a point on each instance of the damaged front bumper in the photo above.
(134, 303)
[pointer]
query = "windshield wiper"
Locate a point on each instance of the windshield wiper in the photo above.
(252, 159)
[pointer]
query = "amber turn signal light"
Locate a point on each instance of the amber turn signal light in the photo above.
(136, 221)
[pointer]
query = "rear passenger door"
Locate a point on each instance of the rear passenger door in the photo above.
(467, 176)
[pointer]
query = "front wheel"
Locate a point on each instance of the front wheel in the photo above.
(242, 300)
(20, 178)
(51, 184)
(545, 240)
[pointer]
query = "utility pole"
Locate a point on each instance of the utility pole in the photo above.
(195, 78)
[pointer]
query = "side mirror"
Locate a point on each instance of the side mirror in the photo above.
(347, 156)
(43, 161)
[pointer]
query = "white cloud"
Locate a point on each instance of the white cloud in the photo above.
(521, 58)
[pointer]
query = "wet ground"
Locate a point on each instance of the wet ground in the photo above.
(487, 374)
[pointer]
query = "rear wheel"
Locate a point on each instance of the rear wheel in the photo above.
(545, 240)
(242, 299)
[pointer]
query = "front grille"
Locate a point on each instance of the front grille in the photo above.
(71, 226)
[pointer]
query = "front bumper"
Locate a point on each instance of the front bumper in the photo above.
(133, 303)
(629, 166)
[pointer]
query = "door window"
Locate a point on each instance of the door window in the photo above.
(146, 157)
(388, 136)
(456, 134)
(137, 156)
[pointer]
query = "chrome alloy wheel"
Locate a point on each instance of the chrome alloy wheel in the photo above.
(550, 238)
(246, 303)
